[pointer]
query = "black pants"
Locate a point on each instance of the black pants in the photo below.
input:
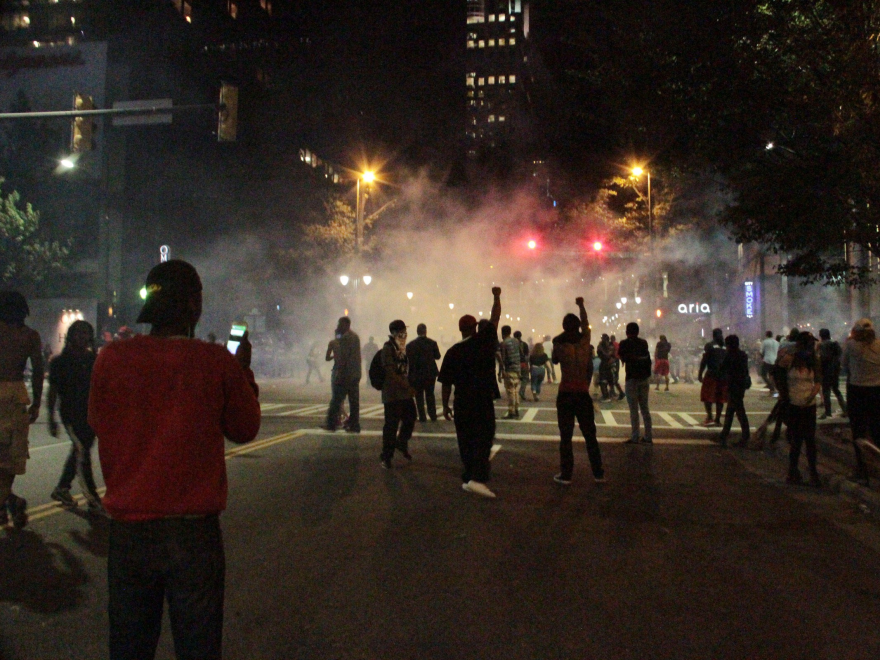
(79, 461)
(351, 390)
(829, 386)
(571, 405)
(475, 429)
(178, 559)
(402, 415)
(864, 419)
(801, 423)
(735, 406)
(425, 391)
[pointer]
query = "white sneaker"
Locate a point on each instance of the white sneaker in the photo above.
(495, 449)
(478, 488)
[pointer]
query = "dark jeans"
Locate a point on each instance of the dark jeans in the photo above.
(425, 391)
(79, 461)
(801, 423)
(340, 391)
(735, 406)
(398, 414)
(475, 428)
(178, 559)
(571, 405)
(864, 419)
(829, 386)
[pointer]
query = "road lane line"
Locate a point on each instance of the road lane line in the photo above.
(530, 415)
(57, 444)
(609, 418)
(665, 416)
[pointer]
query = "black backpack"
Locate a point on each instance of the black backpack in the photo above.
(377, 371)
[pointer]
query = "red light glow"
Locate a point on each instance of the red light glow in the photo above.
(597, 246)
(532, 244)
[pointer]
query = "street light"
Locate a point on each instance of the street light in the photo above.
(367, 279)
(368, 177)
(409, 294)
(637, 172)
(67, 163)
(343, 279)
(451, 305)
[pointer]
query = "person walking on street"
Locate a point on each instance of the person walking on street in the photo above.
(538, 362)
(573, 353)
(70, 379)
(346, 377)
(469, 369)
(830, 354)
(636, 358)
(615, 372)
(313, 364)
(605, 352)
(161, 405)
(368, 352)
(525, 371)
(661, 361)
(861, 363)
(714, 389)
(509, 361)
(422, 354)
(769, 350)
(735, 372)
(803, 381)
(551, 368)
(397, 396)
(18, 344)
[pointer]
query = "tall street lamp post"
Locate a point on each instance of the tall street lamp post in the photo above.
(637, 172)
(368, 177)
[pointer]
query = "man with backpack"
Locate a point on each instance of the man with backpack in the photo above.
(397, 395)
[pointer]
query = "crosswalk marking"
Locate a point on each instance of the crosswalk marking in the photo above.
(609, 418)
(669, 419)
(690, 420)
(308, 410)
(529, 416)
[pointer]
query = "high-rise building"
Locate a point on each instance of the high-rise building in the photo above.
(497, 79)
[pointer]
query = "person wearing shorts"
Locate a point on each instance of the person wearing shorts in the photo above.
(661, 361)
(714, 389)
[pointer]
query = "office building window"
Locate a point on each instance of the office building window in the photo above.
(469, 80)
(491, 80)
(511, 79)
(19, 21)
(471, 43)
(501, 80)
(501, 42)
(491, 18)
(232, 8)
(501, 118)
(482, 43)
(512, 41)
(491, 43)
(267, 6)
(502, 17)
(491, 119)
(481, 81)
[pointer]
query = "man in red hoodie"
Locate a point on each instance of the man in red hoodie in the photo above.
(161, 405)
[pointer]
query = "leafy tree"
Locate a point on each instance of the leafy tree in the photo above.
(25, 257)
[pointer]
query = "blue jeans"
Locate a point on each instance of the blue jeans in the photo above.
(637, 397)
(538, 374)
(180, 560)
(340, 391)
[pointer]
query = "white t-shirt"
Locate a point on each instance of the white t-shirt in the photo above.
(800, 387)
(769, 349)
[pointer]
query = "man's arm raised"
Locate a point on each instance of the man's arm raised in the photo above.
(496, 306)
(585, 323)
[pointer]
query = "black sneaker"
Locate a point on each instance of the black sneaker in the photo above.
(17, 507)
(63, 496)
(352, 429)
(632, 441)
(647, 441)
(562, 481)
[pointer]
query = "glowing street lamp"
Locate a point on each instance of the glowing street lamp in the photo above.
(343, 279)
(638, 300)
(532, 244)
(597, 246)
(367, 279)
(637, 172)
(623, 300)
(451, 305)
(409, 294)
(67, 163)
(368, 177)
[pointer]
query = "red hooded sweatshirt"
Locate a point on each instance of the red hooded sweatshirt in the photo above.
(161, 407)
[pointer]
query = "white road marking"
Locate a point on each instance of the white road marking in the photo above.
(690, 420)
(666, 417)
(529, 415)
(608, 416)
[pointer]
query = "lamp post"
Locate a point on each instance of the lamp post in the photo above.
(637, 172)
(368, 177)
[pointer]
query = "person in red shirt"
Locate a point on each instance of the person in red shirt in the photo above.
(161, 405)
(573, 353)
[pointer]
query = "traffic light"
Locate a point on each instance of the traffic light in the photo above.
(82, 129)
(227, 125)
(597, 246)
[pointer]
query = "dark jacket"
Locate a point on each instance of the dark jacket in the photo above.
(422, 354)
(735, 369)
(396, 366)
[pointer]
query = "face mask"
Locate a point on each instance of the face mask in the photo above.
(400, 337)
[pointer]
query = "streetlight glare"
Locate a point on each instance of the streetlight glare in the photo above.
(638, 300)
(343, 280)
(451, 305)
(367, 279)
(67, 163)
(597, 246)
(369, 176)
(409, 294)
(637, 171)
(623, 300)
(532, 244)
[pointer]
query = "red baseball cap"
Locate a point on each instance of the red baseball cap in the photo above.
(466, 321)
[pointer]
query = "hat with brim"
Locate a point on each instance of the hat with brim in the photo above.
(397, 326)
(170, 286)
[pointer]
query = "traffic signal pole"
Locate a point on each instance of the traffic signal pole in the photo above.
(67, 114)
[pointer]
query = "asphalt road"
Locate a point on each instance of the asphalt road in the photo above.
(688, 551)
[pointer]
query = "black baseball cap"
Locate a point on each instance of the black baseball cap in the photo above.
(169, 288)
(397, 326)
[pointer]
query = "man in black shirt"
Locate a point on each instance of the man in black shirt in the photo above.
(830, 353)
(634, 354)
(70, 376)
(469, 367)
(422, 354)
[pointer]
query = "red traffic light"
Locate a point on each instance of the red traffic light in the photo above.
(532, 244)
(597, 246)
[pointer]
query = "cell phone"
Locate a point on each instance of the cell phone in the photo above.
(235, 334)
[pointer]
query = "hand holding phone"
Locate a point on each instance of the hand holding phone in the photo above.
(239, 344)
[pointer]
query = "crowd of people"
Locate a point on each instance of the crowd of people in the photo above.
(162, 405)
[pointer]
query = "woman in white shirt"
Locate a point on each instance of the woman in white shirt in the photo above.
(804, 383)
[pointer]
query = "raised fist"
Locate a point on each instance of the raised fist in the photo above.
(496, 290)
(579, 301)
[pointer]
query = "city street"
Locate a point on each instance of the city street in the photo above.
(688, 551)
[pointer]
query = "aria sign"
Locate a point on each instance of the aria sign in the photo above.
(694, 308)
